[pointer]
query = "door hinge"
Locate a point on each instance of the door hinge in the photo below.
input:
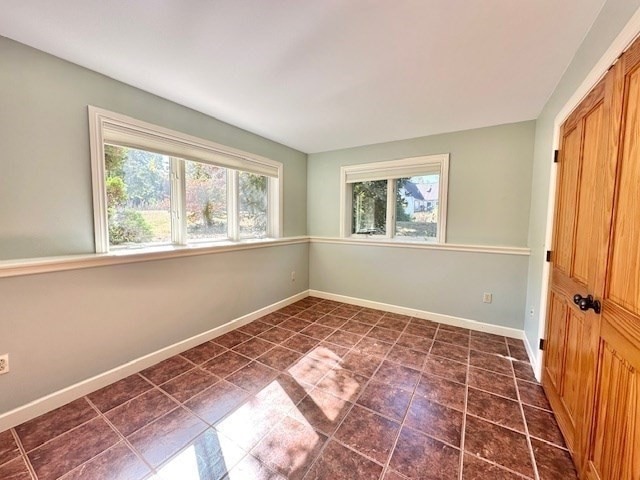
(548, 255)
(556, 154)
(541, 346)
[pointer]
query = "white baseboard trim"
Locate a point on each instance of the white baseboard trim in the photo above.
(62, 397)
(436, 317)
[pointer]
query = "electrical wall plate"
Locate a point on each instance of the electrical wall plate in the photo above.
(4, 363)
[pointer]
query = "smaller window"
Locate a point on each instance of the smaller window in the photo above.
(401, 199)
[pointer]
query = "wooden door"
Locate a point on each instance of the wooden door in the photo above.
(613, 449)
(584, 149)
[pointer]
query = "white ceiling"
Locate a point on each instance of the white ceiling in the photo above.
(322, 74)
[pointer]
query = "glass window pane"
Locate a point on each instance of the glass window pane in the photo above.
(206, 201)
(369, 202)
(417, 207)
(138, 197)
(252, 205)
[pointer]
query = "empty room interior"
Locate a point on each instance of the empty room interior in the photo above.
(330, 240)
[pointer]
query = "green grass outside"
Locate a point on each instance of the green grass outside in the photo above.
(159, 222)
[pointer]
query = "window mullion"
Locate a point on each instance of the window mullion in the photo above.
(273, 217)
(178, 202)
(348, 210)
(270, 213)
(391, 210)
(232, 205)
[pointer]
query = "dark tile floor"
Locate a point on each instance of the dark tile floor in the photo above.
(317, 390)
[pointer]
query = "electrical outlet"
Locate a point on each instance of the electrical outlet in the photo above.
(487, 297)
(4, 363)
(293, 276)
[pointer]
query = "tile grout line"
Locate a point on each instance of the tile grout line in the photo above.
(354, 402)
(492, 422)
(500, 467)
(151, 384)
(492, 393)
(513, 378)
(60, 434)
(19, 453)
(466, 412)
(23, 453)
(551, 444)
(156, 388)
(463, 430)
(491, 462)
(526, 428)
(387, 464)
(122, 438)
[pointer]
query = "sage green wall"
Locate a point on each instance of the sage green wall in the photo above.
(45, 186)
(489, 182)
(61, 328)
(488, 202)
(445, 282)
(612, 18)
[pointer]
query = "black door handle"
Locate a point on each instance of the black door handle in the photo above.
(585, 303)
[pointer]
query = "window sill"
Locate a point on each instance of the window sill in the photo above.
(13, 268)
(396, 239)
(422, 244)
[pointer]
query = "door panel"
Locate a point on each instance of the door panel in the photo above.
(588, 192)
(616, 402)
(569, 169)
(554, 357)
(572, 395)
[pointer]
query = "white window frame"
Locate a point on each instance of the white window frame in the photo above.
(390, 171)
(118, 129)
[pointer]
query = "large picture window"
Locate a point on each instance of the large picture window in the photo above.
(401, 199)
(155, 187)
